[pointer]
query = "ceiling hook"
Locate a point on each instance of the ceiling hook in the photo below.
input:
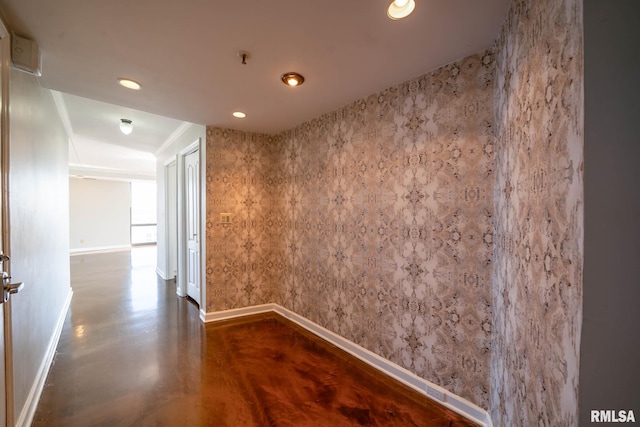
(243, 55)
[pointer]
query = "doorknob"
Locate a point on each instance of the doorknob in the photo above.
(8, 287)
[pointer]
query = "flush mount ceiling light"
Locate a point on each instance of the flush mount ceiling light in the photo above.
(239, 114)
(126, 126)
(292, 79)
(129, 84)
(400, 9)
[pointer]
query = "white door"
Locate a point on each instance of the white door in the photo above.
(192, 223)
(7, 288)
(3, 142)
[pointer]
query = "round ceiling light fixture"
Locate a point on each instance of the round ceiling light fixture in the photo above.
(239, 114)
(399, 9)
(292, 79)
(126, 126)
(129, 84)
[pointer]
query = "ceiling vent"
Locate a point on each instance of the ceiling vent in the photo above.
(25, 55)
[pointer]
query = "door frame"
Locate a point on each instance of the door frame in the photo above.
(171, 205)
(181, 277)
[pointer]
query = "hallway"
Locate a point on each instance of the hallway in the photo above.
(134, 354)
(128, 348)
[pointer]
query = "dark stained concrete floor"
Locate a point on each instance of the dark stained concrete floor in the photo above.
(134, 354)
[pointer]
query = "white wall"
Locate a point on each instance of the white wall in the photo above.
(192, 134)
(99, 214)
(39, 232)
(170, 233)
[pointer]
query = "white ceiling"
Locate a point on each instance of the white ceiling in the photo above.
(185, 55)
(97, 148)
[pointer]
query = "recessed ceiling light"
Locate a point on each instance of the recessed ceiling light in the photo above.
(292, 79)
(399, 9)
(130, 84)
(239, 114)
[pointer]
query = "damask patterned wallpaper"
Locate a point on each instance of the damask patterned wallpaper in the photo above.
(376, 220)
(392, 206)
(245, 263)
(537, 273)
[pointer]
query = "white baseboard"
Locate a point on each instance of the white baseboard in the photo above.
(117, 248)
(29, 409)
(161, 273)
(422, 386)
(236, 312)
(181, 292)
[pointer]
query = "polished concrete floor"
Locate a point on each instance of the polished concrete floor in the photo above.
(134, 354)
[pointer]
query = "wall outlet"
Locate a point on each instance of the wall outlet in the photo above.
(436, 394)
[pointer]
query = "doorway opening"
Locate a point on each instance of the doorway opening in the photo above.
(144, 230)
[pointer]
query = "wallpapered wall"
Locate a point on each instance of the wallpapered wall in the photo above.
(245, 261)
(537, 274)
(391, 200)
(380, 221)
(374, 220)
